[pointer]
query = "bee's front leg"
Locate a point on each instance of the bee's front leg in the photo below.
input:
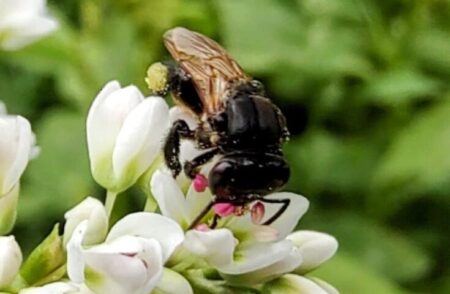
(180, 129)
(191, 168)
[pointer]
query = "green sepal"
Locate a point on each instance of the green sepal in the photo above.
(47, 261)
(209, 282)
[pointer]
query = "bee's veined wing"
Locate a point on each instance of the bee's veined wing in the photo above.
(211, 68)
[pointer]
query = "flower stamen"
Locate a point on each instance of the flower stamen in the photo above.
(224, 209)
(257, 212)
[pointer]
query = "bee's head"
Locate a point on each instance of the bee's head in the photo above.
(245, 173)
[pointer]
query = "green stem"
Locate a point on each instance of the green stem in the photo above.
(150, 204)
(109, 202)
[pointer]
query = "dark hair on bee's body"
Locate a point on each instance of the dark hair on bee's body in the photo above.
(236, 121)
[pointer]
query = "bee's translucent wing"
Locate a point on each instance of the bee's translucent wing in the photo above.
(211, 68)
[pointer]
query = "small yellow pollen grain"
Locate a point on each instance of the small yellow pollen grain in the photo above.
(156, 78)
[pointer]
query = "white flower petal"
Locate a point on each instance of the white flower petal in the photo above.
(173, 283)
(325, 286)
(24, 31)
(15, 145)
(289, 219)
(75, 259)
(316, 248)
(255, 256)
(52, 288)
(23, 21)
(10, 260)
(106, 117)
(216, 246)
(197, 201)
(90, 209)
(293, 284)
(149, 226)
(125, 265)
(245, 227)
(16, 8)
(8, 210)
(141, 136)
(283, 266)
(170, 199)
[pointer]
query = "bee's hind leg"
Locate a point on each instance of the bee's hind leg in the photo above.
(180, 129)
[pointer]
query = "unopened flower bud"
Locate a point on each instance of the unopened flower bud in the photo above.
(16, 149)
(124, 134)
(316, 248)
(94, 212)
(10, 260)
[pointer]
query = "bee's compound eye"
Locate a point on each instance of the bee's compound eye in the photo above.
(257, 85)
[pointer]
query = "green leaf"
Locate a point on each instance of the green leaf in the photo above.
(18, 94)
(399, 86)
(431, 47)
(256, 51)
(348, 276)
(321, 161)
(302, 52)
(379, 249)
(417, 163)
(45, 261)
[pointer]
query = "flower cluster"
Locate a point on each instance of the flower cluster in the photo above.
(148, 252)
(156, 250)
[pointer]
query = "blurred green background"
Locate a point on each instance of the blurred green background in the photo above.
(364, 85)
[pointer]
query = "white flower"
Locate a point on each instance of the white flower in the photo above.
(124, 134)
(173, 283)
(315, 247)
(132, 258)
(10, 260)
(23, 22)
(294, 284)
(241, 250)
(90, 209)
(16, 149)
(8, 210)
(53, 288)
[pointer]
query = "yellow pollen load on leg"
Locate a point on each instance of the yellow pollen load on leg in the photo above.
(157, 77)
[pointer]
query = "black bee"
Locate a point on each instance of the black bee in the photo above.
(236, 121)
